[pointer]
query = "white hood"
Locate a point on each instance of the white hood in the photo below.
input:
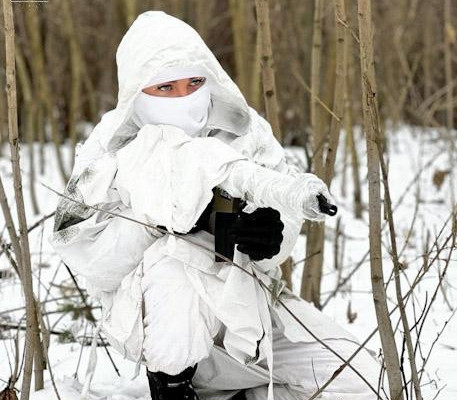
(155, 42)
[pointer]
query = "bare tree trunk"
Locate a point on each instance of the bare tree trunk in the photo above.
(338, 98)
(267, 65)
(449, 41)
(3, 123)
(348, 127)
(9, 221)
(315, 110)
(287, 269)
(41, 137)
(203, 13)
(428, 48)
(372, 127)
(42, 84)
(75, 60)
(397, 269)
(315, 231)
(129, 8)
(269, 88)
(254, 88)
(237, 13)
(177, 8)
(30, 114)
(358, 207)
(23, 259)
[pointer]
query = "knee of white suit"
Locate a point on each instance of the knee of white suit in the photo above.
(352, 383)
(178, 326)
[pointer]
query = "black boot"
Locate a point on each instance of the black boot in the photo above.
(172, 387)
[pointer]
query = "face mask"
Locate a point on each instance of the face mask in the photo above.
(189, 113)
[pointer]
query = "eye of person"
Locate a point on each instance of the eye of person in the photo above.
(164, 88)
(197, 81)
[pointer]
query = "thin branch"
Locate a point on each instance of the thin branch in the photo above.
(278, 300)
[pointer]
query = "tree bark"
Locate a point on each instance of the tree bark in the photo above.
(237, 13)
(449, 41)
(254, 87)
(30, 116)
(23, 259)
(315, 231)
(203, 14)
(129, 8)
(40, 79)
(76, 69)
(267, 65)
(269, 86)
(372, 133)
(338, 97)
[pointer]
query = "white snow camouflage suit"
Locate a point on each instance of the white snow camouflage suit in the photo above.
(165, 302)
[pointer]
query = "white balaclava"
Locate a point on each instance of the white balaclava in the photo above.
(189, 113)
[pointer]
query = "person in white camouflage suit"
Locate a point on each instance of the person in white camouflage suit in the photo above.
(204, 329)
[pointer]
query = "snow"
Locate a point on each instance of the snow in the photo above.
(415, 154)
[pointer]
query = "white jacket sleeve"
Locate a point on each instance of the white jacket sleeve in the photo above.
(103, 249)
(266, 151)
(293, 196)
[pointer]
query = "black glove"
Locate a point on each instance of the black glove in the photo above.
(258, 234)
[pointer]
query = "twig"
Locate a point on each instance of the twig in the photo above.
(10, 326)
(45, 343)
(164, 231)
(83, 298)
(316, 98)
(75, 375)
(435, 341)
(396, 262)
(306, 258)
(31, 228)
(346, 279)
(11, 310)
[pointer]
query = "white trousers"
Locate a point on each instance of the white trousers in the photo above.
(180, 330)
(178, 326)
(299, 370)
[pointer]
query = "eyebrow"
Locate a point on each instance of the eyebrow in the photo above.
(164, 83)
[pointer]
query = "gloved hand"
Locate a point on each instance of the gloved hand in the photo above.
(310, 186)
(258, 234)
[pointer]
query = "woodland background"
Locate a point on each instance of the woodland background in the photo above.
(333, 77)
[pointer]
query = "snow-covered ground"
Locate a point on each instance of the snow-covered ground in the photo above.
(421, 210)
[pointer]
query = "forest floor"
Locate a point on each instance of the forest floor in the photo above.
(418, 161)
